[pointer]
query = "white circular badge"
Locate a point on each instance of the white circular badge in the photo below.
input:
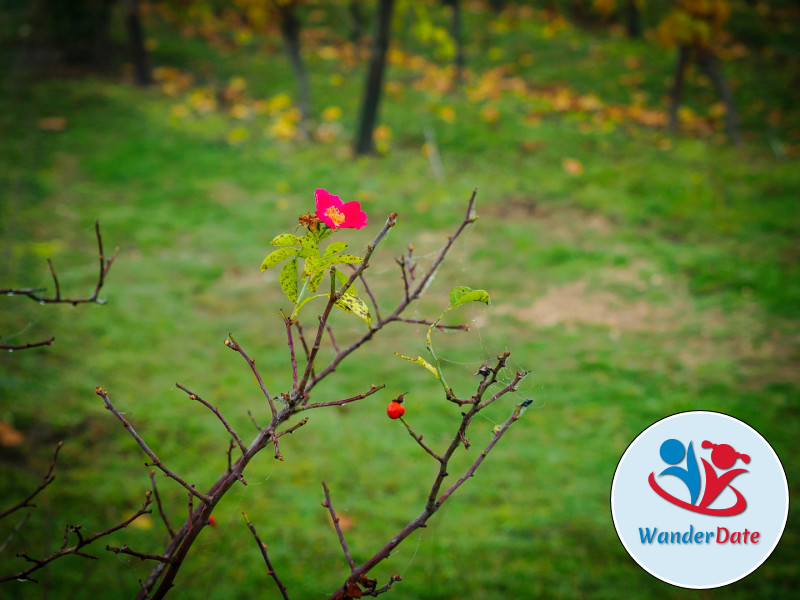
(699, 499)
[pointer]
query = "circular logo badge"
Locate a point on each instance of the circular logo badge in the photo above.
(699, 500)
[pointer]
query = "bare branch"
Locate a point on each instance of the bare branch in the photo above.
(418, 439)
(158, 504)
(75, 550)
(11, 348)
(263, 549)
(372, 390)
(125, 549)
(327, 504)
(46, 480)
(233, 345)
(156, 461)
(288, 322)
(358, 574)
(105, 266)
(215, 410)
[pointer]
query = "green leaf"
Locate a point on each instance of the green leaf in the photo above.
(354, 304)
(420, 361)
(277, 256)
(344, 259)
(309, 247)
(462, 295)
(342, 279)
(313, 265)
(313, 285)
(289, 279)
(334, 248)
(285, 239)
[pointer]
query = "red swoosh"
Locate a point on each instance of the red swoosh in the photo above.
(737, 508)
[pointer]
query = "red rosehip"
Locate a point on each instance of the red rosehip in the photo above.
(395, 410)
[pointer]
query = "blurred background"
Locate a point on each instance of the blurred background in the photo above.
(636, 163)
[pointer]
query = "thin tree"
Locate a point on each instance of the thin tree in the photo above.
(364, 142)
(138, 51)
(695, 28)
(455, 33)
(290, 31)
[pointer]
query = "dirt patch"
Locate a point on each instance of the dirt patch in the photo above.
(561, 220)
(572, 304)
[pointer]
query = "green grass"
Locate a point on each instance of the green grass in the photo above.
(663, 278)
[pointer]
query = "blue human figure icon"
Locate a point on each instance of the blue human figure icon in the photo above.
(672, 453)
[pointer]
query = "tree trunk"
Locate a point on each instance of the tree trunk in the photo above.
(633, 22)
(710, 65)
(139, 58)
(455, 33)
(676, 95)
(364, 143)
(290, 30)
(356, 11)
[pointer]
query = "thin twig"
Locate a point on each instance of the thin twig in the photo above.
(75, 550)
(234, 345)
(14, 531)
(46, 480)
(327, 504)
(11, 348)
(418, 439)
(460, 327)
(125, 549)
(333, 339)
(156, 461)
(291, 429)
(253, 419)
(263, 548)
(372, 390)
(160, 507)
(215, 410)
(105, 266)
(371, 297)
(290, 341)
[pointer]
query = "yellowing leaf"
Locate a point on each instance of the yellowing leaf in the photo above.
(354, 304)
(276, 257)
(420, 361)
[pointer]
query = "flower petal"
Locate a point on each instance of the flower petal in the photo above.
(354, 217)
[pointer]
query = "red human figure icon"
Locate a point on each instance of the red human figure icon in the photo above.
(724, 457)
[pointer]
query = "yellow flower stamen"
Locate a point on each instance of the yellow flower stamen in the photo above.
(335, 215)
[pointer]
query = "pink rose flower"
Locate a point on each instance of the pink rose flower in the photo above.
(338, 215)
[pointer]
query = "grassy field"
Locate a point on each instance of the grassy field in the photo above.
(634, 273)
